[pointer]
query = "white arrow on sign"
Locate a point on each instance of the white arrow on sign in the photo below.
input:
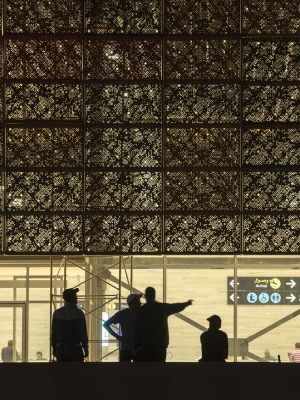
(231, 283)
(232, 297)
(291, 298)
(291, 283)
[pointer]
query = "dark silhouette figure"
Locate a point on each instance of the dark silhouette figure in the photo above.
(69, 333)
(214, 342)
(151, 333)
(126, 319)
(7, 353)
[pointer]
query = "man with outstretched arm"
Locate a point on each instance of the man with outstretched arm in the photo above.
(152, 332)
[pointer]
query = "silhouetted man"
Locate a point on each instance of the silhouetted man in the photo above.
(126, 319)
(152, 334)
(214, 342)
(69, 333)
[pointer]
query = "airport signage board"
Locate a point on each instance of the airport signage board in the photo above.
(264, 290)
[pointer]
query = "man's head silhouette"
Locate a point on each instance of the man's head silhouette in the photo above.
(150, 294)
(134, 300)
(70, 295)
(214, 322)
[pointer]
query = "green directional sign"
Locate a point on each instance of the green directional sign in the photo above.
(264, 290)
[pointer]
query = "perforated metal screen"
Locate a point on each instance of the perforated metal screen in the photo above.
(150, 126)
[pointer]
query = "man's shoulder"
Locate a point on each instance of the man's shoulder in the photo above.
(58, 311)
(153, 305)
(120, 315)
(296, 351)
(67, 310)
(214, 333)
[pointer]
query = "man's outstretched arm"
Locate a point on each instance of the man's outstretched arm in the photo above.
(174, 308)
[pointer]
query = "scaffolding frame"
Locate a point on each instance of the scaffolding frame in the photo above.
(90, 310)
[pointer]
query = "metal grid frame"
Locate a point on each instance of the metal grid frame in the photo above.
(94, 301)
(150, 127)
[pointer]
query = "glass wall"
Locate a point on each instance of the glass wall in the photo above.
(257, 298)
(25, 289)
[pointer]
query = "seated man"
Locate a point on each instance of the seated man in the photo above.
(295, 355)
(39, 356)
(214, 342)
(268, 357)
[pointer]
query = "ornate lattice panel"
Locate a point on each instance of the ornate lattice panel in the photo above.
(150, 126)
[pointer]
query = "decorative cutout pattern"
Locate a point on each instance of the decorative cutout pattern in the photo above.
(43, 16)
(272, 103)
(201, 234)
(202, 147)
(271, 60)
(271, 234)
(44, 58)
(271, 147)
(43, 234)
(135, 59)
(44, 147)
(150, 127)
(34, 101)
(202, 16)
(123, 103)
(271, 16)
(272, 191)
(123, 147)
(202, 103)
(118, 16)
(202, 59)
(135, 191)
(201, 191)
(116, 234)
(39, 191)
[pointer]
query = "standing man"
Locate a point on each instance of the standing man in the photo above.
(152, 333)
(126, 319)
(214, 342)
(7, 353)
(69, 333)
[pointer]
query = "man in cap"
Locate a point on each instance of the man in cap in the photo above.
(126, 320)
(69, 334)
(152, 332)
(214, 342)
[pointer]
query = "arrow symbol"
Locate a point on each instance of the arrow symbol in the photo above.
(232, 297)
(291, 298)
(231, 283)
(291, 283)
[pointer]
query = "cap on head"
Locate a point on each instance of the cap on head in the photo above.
(132, 297)
(70, 294)
(215, 320)
(150, 293)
